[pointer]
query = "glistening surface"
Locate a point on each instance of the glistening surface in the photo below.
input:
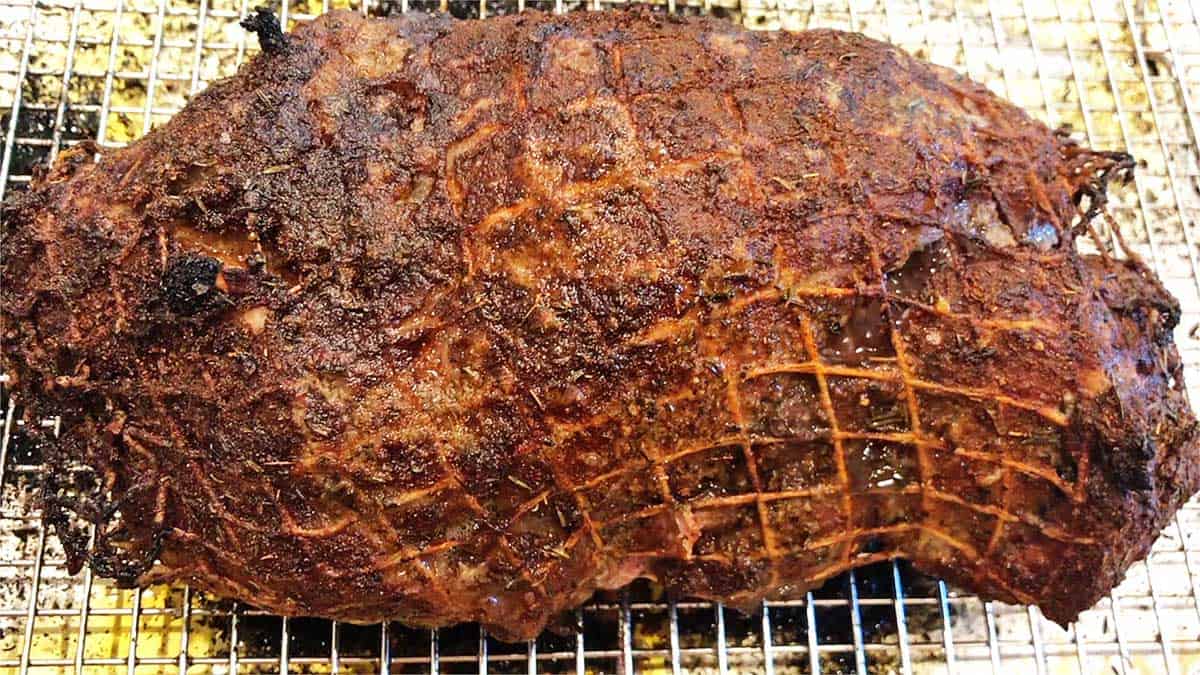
(1122, 75)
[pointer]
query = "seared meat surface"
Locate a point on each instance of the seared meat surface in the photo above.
(441, 321)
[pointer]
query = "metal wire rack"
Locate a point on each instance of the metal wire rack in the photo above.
(1121, 73)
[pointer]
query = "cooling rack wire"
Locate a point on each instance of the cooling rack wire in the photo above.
(1122, 74)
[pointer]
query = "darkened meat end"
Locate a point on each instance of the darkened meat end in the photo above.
(441, 321)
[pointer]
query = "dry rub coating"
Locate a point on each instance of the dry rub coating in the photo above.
(442, 321)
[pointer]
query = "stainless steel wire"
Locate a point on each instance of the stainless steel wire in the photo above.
(1124, 73)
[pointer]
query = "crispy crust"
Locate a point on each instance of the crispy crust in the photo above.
(442, 321)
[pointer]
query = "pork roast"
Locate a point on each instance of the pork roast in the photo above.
(441, 321)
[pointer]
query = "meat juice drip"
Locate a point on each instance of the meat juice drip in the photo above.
(886, 472)
(880, 472)
(861, 335)
(877, 464)
(913, 279)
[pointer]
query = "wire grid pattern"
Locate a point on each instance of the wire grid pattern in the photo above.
(1120, 73)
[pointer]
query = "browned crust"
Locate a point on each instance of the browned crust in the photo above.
(441, 321)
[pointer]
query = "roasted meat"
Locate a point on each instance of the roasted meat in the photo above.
(441, 321)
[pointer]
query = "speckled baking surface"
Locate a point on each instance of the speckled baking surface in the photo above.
(1122, 75)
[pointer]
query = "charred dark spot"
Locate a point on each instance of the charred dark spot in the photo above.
(189, 283)
(122, 565)
(1131, 465)
(1117, 166)
(265, 25)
